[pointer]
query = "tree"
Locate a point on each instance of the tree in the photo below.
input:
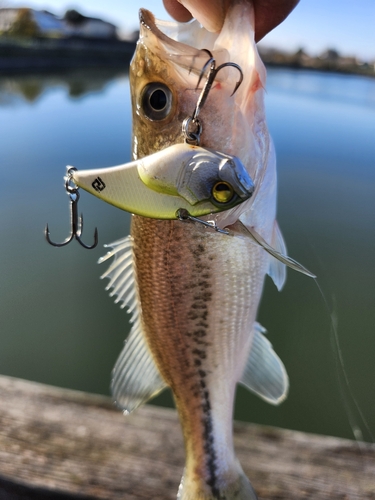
(24, 24)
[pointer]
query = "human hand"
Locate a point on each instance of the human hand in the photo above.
(211, 13)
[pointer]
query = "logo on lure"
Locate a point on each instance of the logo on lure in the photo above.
(98, 184)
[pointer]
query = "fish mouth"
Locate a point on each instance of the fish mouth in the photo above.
(178, 36)
(183, 42)
(184, 45)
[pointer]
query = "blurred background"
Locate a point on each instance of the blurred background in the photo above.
(65, 99)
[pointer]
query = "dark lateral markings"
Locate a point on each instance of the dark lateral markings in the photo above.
(199, 313)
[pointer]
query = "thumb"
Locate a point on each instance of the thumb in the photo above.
(210, 13)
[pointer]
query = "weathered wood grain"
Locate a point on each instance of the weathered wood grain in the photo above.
(61, 444)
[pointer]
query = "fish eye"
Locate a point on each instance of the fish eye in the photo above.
(222, 192)
(156, 101)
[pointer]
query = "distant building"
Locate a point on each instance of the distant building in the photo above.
(47, 24)
(330, 55)
(75, 24)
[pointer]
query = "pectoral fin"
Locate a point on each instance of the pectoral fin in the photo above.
(277, 269)
(288, 261)
(264, 373)
(135, 375)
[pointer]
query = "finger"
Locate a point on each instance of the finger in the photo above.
(210, 13)
(269, 14)
(177, 11)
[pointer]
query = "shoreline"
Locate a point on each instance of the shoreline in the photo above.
(51, 55)
(330, 62)
(331, 70)
(62, 54)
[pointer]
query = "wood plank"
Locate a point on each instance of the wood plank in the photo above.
(62, 444)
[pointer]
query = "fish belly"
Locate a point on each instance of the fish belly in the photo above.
(199, 292)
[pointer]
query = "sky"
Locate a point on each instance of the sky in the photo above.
(315, 25)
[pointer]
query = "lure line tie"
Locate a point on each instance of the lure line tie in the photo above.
(183, 215)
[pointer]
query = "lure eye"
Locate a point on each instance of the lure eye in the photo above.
(156, 101)
(222, 192)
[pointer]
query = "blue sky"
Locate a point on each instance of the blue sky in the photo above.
(347, 25)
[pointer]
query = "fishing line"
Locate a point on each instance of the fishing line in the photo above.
(342, 377)
(346, 391)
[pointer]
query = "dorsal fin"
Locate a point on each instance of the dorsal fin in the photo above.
(264, 373)
(121, 274)
(135, 375)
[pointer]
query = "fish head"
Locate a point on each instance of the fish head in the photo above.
(164, 74)
(182, 74)
(163, 78)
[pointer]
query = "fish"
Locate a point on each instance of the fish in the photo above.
(193, 293)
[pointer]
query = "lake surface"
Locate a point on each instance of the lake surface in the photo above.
(58, 325)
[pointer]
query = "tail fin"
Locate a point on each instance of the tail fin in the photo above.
(239, 488)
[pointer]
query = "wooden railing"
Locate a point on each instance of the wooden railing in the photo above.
(62, 444)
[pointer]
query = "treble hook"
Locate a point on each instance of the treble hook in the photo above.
(194, 137)
(76, 222)
(213, 71)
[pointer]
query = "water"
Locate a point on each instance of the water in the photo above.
(58, 325)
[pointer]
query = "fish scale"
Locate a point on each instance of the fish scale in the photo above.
(196, 330)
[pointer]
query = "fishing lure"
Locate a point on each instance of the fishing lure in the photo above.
(183, 181)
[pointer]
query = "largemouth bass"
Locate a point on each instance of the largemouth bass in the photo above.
(193, 292)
